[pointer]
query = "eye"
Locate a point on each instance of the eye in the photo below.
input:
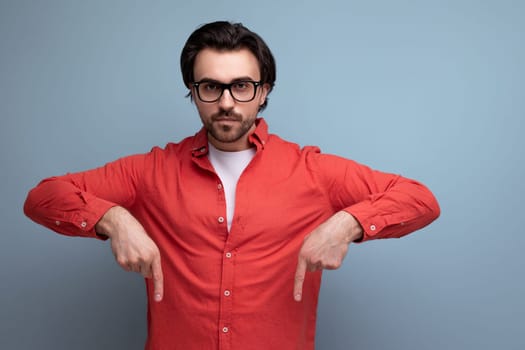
(210, 86)
(241, 85)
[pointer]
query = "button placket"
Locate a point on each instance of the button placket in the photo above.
(226, 305)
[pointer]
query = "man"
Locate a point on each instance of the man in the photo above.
(231, 227)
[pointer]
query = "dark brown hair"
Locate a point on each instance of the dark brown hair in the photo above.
(229, 36)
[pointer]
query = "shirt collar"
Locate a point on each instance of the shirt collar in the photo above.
(258, 138)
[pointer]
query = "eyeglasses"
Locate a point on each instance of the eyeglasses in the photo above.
(241, 91)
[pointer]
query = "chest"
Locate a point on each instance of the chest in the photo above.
(274, 205)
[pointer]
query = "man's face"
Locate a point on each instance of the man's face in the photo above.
(229, 122)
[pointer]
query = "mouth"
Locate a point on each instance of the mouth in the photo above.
(225, 119)
(225, 122)
(228, 117)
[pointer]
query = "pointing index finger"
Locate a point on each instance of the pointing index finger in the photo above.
(158, 279)
(299, 279)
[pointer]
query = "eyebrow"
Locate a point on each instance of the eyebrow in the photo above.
(210, 80)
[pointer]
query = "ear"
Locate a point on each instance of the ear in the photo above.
(191, 93)
(265, 89)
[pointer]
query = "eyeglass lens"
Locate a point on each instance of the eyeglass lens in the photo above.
(242, 91)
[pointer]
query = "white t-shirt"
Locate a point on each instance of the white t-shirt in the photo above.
(229, 166)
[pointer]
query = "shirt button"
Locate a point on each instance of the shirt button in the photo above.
(228, 255)
(219, 186)
(57, 223)
(83, 224)
(373, 227)
(220, 219)
(225, 329)
(227, 293)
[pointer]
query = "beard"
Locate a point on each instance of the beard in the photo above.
(230, 132)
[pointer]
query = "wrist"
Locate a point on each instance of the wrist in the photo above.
(354, 228)
(106, 224)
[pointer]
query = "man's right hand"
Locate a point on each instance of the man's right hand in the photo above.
(134, 250)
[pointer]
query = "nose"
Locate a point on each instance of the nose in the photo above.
(226, 101)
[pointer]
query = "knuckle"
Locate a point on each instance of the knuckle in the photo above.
(154, 254)
(155, 250)
(334, 264)
(150, 255)
(315, 261)
(122, 262)
(134, 261)
(299, 278)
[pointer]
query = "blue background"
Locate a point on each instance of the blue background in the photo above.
(433, 90)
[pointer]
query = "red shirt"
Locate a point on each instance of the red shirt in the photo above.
(233, 290)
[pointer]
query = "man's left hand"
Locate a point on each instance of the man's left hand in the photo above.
(325, 247)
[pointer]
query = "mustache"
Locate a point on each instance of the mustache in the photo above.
(224, 114)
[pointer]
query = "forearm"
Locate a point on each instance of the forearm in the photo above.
(63, 207)
(405, 206)
(72, 204)
(67, 207)
(386, 205)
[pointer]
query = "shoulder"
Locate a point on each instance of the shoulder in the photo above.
(275, 142)
(178, 149)
(314, 160)
(171, 153)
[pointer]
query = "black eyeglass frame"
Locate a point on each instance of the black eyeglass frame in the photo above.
(224, 86)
